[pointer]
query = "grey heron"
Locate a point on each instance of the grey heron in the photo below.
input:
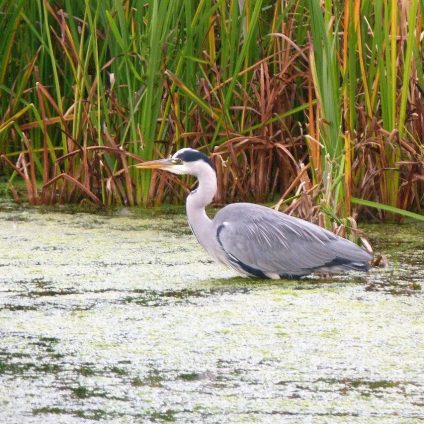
(255, 240)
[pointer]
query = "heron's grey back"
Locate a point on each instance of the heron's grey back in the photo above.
(257, 238)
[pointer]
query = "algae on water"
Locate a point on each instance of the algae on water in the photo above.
(124, 318)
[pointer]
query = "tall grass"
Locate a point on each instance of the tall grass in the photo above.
(318, 104)
(372, 92)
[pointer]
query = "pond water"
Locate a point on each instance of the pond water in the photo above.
(123, 318)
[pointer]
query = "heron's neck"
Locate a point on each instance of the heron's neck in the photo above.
(198, 199)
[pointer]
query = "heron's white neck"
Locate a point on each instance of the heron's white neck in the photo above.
(196, 201)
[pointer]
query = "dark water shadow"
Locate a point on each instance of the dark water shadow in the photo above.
(234, 284)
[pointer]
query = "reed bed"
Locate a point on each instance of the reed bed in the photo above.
(317, 106)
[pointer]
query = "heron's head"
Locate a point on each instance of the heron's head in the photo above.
(185, 161)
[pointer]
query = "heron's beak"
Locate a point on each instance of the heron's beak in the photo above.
(164, 164)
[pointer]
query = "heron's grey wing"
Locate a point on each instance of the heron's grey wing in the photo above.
(264, 242)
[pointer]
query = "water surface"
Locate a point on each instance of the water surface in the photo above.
(123, 318)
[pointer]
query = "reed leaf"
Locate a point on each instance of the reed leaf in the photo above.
(387, 208)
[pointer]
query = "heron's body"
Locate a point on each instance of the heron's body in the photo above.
(255, 240)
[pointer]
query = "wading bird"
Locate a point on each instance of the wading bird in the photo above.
(255, 240)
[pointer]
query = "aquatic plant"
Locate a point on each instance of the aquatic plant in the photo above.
(318, 104)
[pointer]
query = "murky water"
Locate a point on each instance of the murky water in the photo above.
(123, 318)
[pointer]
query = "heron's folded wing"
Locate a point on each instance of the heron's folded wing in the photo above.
(275, 243)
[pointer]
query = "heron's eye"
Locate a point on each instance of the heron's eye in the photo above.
(176, 161)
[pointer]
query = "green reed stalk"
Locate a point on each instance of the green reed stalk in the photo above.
(327, 80)
(407, 62)
(55, 64)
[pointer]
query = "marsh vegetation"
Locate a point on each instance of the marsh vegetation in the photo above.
(318, 105)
